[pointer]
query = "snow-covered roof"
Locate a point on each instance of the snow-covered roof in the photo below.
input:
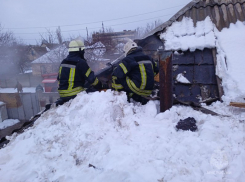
(97, 50)
(53, 56)
(120, 45)
(96, 45)
(222, 13)
(184, 35)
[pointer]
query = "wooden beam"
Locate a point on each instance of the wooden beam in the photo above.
(219, 81)
(237, 104)
(166, 80)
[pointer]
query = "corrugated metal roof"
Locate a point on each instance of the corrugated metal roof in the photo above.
(221, 12)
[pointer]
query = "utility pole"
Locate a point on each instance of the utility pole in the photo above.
(103, 27)
(87, 33)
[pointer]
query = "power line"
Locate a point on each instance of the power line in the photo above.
(100, 27)
(101, 20)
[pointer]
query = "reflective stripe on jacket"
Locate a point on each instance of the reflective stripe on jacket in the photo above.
(139, 70)
(73, 73)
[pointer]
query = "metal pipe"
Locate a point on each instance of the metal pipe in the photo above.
(166, 80)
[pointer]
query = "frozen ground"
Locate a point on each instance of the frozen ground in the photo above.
(126, 142)
(8, 122)
(12, 90)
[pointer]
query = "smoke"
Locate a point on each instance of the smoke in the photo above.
(9, 61)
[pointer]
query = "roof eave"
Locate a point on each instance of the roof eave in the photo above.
(172, 19)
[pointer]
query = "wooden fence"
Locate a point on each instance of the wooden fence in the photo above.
(23, 106)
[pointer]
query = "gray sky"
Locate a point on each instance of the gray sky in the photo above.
(28, 18)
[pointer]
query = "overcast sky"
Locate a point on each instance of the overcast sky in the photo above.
(28, 18)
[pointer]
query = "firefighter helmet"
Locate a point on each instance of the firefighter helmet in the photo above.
(76, 45)
(129, 45)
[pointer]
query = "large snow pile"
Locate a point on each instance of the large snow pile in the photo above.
(230, 44)
(101, 137)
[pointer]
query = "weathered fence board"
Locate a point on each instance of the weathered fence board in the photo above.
(23, 106)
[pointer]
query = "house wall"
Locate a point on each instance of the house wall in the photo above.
(198, 67)
(41, 68)
(36, 69)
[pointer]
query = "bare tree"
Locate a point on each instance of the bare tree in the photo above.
(49, 36)
(143, 31)
(52, 37)
(109, 30)
(8, 58)
(59, 35)
(6, 37)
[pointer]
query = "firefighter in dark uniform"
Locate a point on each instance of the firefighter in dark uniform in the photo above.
(135, 74)
(74, 74)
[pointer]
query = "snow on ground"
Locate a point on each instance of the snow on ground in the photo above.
(8, 122)
(28, 71)
(126, 142)
(12, 90)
